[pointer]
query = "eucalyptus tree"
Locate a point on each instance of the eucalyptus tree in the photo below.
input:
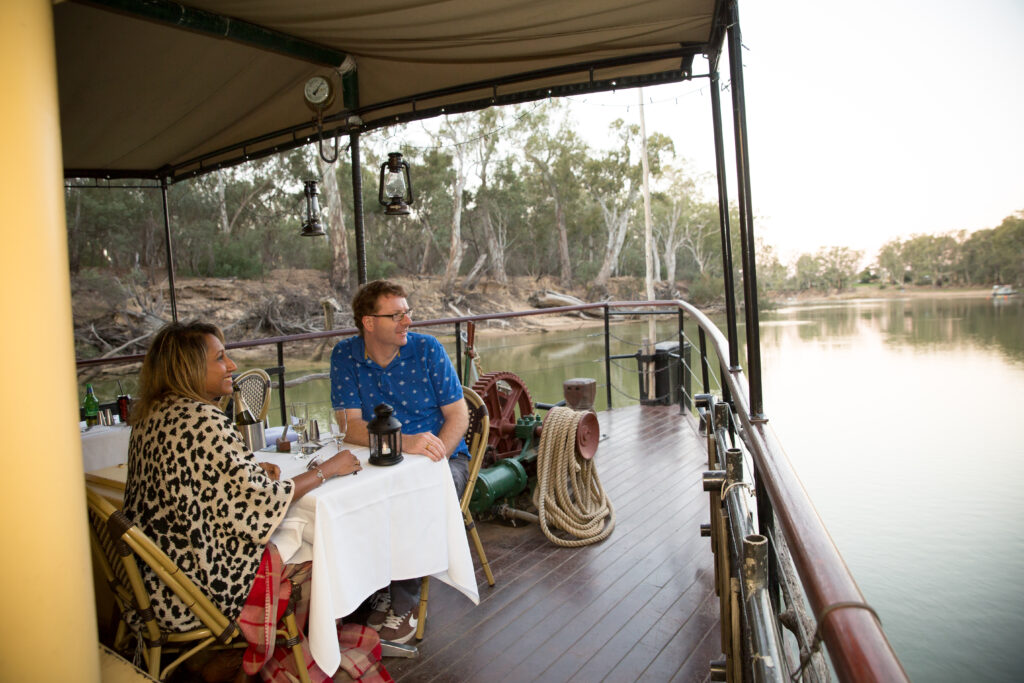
(892, 261)
(931, 257)
(684, 220)
(1009, 242)
(556, 155)
(839, 266)
(613, 179)
(454, 132)
(771, 274)
(435, 176)
(484, 148)
(334, 217)
(807, 272)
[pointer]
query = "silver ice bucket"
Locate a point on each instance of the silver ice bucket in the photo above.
(253, 435)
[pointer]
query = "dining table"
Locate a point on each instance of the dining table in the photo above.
(362, 531)
(104, 445)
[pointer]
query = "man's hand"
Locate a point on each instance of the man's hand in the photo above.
(272, 470)
(425, 444)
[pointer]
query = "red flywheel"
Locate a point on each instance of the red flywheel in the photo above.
(507, 399)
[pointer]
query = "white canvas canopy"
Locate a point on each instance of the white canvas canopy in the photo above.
(158, 89)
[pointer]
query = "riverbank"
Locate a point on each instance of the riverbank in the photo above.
(111, 320)
(873, 291)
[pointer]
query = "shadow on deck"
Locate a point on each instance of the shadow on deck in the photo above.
(638, 606)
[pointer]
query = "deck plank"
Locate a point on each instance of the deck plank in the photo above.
(640, 605)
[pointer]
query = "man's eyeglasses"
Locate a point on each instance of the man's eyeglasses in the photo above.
(397, 317)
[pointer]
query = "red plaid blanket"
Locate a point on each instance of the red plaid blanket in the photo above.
(265, 606)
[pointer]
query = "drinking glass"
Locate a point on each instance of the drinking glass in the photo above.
(339, 427)
(298, 414)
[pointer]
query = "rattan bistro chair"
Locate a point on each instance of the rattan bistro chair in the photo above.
(119, 545)
(476, 440)
(255, 387)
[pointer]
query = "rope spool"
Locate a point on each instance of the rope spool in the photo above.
(569, 495)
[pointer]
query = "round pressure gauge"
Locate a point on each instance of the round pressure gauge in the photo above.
(319, 93)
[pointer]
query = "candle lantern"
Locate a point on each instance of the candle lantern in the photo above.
(395, 191)
(311, 227)
(385, 433)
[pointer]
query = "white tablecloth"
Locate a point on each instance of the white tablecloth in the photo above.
(104, 446)
(363, 531)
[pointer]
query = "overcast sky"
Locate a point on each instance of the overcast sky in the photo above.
(867, 121)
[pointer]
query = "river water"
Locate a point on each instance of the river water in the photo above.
(902, 419)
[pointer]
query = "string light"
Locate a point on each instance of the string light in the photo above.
(673, 100)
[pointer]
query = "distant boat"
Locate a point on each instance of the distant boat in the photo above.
(1003, 291)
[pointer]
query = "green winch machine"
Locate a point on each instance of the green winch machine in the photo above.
(514, 441)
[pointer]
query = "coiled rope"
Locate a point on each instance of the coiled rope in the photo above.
(569, 495)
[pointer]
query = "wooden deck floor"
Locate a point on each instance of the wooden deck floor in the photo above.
(638, 606)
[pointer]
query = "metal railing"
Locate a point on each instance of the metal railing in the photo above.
(789, 550)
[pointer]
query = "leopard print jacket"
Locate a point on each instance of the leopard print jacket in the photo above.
(201, 496)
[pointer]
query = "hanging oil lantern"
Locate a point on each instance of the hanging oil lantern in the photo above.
(395, 190)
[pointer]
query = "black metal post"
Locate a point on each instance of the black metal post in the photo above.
(684, 361)
(169, 250)
(704, 361)
(280, 393)
(723, 217)
(607, 357)
(357, 208)
(458, 352)
(739, 113)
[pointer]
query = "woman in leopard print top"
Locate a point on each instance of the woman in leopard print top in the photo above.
(192, 485)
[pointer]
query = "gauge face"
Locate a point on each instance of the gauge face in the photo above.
(318, 91)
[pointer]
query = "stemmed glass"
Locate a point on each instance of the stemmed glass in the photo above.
(298, 414)
(339, 427)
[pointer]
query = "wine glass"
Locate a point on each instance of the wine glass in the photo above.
(339, 427)
(298, 414)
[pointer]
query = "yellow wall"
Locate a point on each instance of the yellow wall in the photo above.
(48, 631)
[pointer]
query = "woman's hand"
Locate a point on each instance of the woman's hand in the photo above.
(272, 470)
(340, 464)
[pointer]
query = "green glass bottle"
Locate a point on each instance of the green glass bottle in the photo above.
(91, 407)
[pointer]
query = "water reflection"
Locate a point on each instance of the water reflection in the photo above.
(920, 322)
(896, 416)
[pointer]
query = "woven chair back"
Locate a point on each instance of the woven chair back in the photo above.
(255, 387)
(476, 440)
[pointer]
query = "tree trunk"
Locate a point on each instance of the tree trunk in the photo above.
(494, 248)
(565, 265)
(475, 272)
(670, 264)
(455, 246)
(425, 259)
(225, 225)
(74, 255)
(616, 223)
(336, 233)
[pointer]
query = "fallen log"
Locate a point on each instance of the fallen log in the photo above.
(549, 299)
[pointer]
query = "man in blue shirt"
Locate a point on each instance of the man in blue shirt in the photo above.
(412, 373)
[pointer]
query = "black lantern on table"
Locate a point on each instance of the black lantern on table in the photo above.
(385, 433)
(311, 227)
(396, 185)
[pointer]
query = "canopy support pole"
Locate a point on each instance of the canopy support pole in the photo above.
(169, 250)
(739, 113)
(357, 208)
(723, 218)
(176, 15)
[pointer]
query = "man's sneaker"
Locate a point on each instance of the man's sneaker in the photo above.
(380, 608)
(399, 629)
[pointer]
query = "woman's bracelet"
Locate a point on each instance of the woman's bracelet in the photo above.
(320, 473)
